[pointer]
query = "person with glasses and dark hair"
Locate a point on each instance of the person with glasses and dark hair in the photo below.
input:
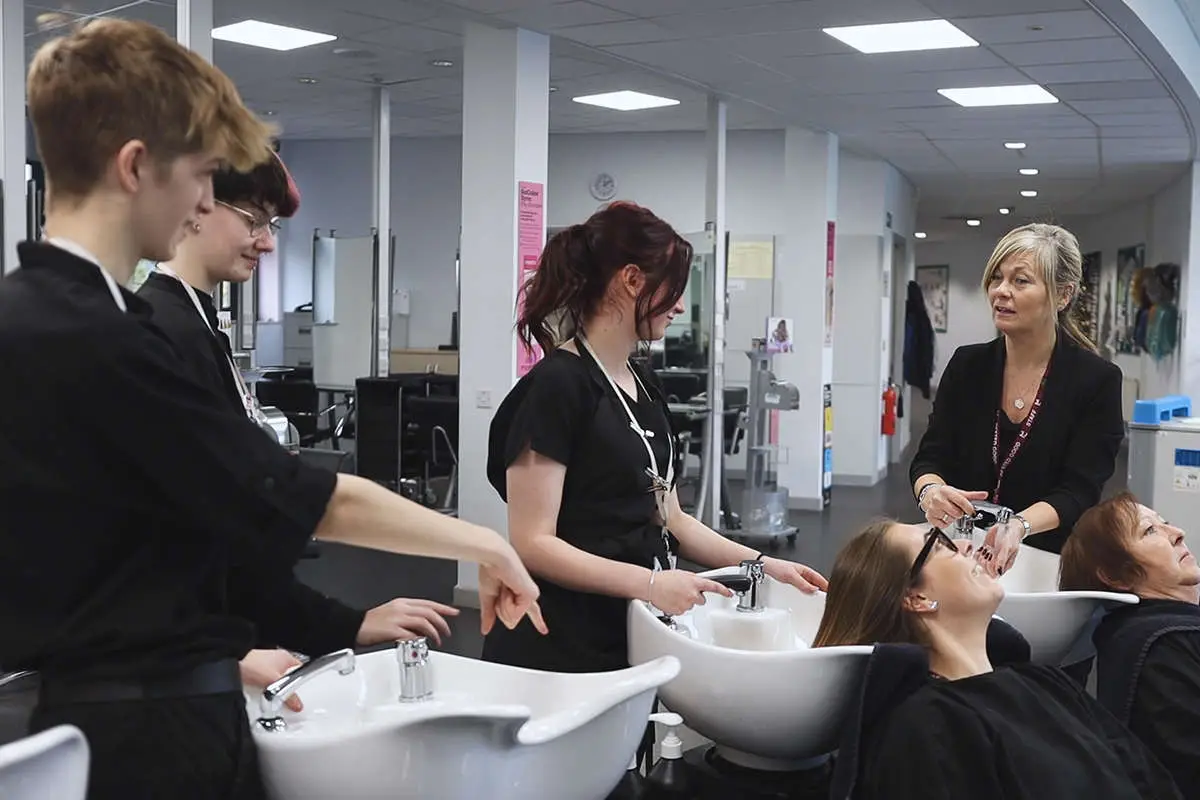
(939, 717)
(583, 453)
(225, 246)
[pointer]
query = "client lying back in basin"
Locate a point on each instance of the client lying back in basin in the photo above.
(936, 720)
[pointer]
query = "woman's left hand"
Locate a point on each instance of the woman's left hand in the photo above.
(1000, 548)
(806, 579)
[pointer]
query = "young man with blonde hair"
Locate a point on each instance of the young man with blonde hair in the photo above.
(129, 490)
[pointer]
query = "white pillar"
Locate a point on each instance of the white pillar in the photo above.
(804, 294)
(193, 26)
(12, 127)
(506, 117)
(717, 137)
(1189, 304)
(381, 221)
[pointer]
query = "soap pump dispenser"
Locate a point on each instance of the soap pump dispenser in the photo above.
(669, 778)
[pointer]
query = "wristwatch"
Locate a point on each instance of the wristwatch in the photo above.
(1024, 524)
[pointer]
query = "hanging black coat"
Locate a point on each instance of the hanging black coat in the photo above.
(918, 341)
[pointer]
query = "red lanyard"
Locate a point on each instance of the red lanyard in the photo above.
(1022, 435)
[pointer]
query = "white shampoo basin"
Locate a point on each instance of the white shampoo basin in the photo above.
(49, 765)
(774, 707)
(1033, 571)
(1052, 621)
(489, 730)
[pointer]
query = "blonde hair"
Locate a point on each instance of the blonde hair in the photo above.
(1055, 254)
(113, 81)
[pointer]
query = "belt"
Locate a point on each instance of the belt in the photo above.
(214, 677)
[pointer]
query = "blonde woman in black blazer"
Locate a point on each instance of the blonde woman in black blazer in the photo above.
(1031, 420)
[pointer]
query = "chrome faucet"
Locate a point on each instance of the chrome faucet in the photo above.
(750, 598)
(416, 673)
(275, 695)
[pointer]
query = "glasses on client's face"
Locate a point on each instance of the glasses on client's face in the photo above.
(932, 540)
(255, 222)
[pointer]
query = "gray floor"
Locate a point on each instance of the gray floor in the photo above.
(366, 578)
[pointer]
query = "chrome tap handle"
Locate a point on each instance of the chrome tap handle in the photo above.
(1001, 514)
(275, 695)
(751, 599)
(416, 674)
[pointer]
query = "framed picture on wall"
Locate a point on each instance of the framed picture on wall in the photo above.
(1088, 304)
(935, 286)
(1130, 261)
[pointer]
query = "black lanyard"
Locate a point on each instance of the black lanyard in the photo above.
(1022, 435)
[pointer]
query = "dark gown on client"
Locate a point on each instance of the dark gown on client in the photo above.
(1021, 732)
(1148, 676)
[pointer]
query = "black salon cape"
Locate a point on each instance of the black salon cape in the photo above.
(1022, 732)
(1148, 676)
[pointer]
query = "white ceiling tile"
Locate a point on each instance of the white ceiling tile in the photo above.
(1066, 51)
(497, 6)
(956, 9)
(860, 65)
(1103, 71)
(886, 81)
(636, 31)
(1146, 120)
(413, 38)
(1053, 26)
(563, 15)
(1149, 105)
(794, 16)
(1107, 90)
(658, 8)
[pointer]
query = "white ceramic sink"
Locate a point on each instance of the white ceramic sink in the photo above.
(489, 731)
(1033, 571)
(775, 707)
(1053, 622)
(51, 764)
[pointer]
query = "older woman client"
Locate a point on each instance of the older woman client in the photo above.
(1147, 655)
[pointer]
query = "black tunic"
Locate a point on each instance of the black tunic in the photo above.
(286, 612)
(1148, 676)
(127, 488)
(566, 410)
(1018, 733)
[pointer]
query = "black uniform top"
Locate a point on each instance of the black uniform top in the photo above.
(1072, 445)
(127, 487)
(1148, 676)
(566, 410)
(286, 612)
(1018, 733)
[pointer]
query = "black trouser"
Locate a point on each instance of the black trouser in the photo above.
(178, 748)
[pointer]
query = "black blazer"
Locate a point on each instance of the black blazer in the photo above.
(1072, 447)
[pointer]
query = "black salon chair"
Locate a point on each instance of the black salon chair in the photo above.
(432, 421)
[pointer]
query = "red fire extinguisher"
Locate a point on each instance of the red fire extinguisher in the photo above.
(890, 396)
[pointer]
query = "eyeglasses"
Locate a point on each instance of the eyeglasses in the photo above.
(933, 538)
(256, 223)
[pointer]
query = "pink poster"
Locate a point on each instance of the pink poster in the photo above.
(830, 238)
(531, 233)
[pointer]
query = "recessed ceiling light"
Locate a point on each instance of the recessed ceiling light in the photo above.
(273, 37)
(920, 234)
(1015, 145)
(1027, 94)
(974, 223)
(625, 101)
(900, 37)
(1028, 193)
(441, 62)
(553, 89)
(1028, 171)
(268, 113)
(307, 81)
(1005, 211)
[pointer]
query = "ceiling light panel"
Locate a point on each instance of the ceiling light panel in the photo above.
(902, 37)
(1028, 94)
(270, 36)
(625, 101)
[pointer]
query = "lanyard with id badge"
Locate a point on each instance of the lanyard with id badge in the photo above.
(659, 485)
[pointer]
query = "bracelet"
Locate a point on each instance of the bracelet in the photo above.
(1025, 524)
(924, 491)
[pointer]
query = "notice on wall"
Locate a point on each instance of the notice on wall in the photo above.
(830, 236)
(751, 260)
(531, 237)
(1187, 471)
